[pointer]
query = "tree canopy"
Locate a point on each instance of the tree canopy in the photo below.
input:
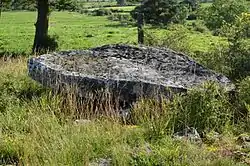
(162, 11)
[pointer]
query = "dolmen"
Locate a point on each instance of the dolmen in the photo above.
(129, 72)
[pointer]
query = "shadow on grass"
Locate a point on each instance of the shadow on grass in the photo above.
(12, 54)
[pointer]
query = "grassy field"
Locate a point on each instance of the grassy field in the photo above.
(37, 130)
(77, 31)
(38, 127)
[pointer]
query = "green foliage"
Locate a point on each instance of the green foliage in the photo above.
(175, 38)
(161, 11)
(123, 18)
(223, 11)
(233, 58)
(30, 5)
(215, 58)
(207, 108)
(199, 27)
(155, 116)
(193, 4)
(70, 5)
(239, 46)
(34, 128)
(36, 131)
(244, 91)
(73, 30)
(101, 12)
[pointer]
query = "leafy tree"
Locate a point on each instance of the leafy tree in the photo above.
(161, 11)
(23, 5)
(70, 5)
(193, 4)
(2, 3)
(223, 11)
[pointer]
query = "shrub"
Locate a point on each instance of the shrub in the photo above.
(205, 108)
(121, 17)
(215, 58)
(101, 12)
(243, 104)
(70, 5)
(244, 91)
(175, 38)
(199, 27)
(239, 48)
(223, 11)
(117, 10)
(232, 59)
(84, 11)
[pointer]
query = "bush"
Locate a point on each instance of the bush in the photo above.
(175, 38)
(70, 5)
(101, 12)
(232, 59)
(84, 11)
(121, 17)
(244, 91)
(243, 104)
(215, 58)
(207, 107)
(199, 27)
(223, 11)
(117, 10)
(239, 48)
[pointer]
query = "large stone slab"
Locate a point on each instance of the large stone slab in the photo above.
(128, 71)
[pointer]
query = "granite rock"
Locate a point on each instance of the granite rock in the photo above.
(127, 71)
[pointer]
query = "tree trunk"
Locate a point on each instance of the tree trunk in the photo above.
(140, 23)
(42, 25)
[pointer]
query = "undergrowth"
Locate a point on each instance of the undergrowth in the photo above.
(38, 127)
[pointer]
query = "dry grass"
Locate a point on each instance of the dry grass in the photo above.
(39, 128)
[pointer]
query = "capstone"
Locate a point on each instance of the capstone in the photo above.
(128, 71)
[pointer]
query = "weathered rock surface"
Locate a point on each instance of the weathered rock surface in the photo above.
(129, 71)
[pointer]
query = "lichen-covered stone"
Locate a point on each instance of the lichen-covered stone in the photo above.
(129, 71)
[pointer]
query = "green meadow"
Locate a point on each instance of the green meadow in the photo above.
(41, 127)
(78, 31)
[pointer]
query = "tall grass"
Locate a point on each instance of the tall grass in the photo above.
(38, 127)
